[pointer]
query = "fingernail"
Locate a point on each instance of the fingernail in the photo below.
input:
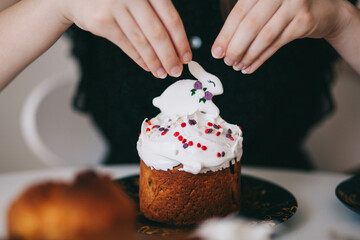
(228, 61)
(238, 67)
(176, 71)
(246, 70)
(218, 52)
(186, 58)
(161, 73)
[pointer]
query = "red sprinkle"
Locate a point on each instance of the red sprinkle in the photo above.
(231, 138)
(183, 124)
(149, 122)
(164, 132)
(176, 134)
(239, 127)
(139, 133)
(210, 124)
(207, 130)
(191, 143)
(198, 145)
(218, 154)
(180, 138)
(218, 134)
(184, 140)
(219, 126)
(148, 129)
(204, 148)
(153, 127)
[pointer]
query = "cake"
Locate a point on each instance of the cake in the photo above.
(92, 207)
(190, 165)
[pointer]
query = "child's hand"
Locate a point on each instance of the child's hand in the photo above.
(256, 29)
(150, 32)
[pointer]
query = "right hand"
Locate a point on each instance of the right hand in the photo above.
(148, 31)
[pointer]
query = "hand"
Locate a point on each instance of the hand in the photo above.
(150, 32)
(256, 29)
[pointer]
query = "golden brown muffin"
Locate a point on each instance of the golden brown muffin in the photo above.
(181, 198)
(92, 207)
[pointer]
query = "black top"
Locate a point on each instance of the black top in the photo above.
(276, 106)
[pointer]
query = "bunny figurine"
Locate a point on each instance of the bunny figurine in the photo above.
(185, 97)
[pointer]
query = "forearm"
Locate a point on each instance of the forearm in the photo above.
(347, 41)
(27, 29)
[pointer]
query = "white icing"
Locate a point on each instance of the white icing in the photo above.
(162, 150)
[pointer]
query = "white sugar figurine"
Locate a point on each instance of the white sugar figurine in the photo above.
(185, 97)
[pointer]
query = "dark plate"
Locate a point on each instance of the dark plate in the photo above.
(262, 201)
(348, 192)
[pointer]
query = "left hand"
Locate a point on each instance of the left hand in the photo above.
(256, 29)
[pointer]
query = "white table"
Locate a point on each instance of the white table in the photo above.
(319, 212)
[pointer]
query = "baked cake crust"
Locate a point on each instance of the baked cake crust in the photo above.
(181, 198)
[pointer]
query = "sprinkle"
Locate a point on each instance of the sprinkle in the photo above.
(148, 129)
(185, 145)
(149, 122)
(161, 129)
(198, 145)
(157, 126)
(139, 133)
(192, 122)
(218, 154)
(219, 126)
(240, 127)
(228, 135)
(183, 124)
(208, 130)
(191, 143)
(216, 126)
(176, 134)
(210, 124)
(153, 127)
(218, 134)
(184, 140)
(229, 131)
(223, 154)
(166, 129)
(180, 138)
(204, 148)
(163, 133)
(231, 138)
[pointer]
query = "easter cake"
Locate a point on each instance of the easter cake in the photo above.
(190, 157)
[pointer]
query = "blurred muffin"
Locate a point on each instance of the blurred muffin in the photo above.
(92, 207)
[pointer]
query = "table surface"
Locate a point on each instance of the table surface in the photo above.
(320, 214)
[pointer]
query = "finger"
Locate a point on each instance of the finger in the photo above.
(119, 38)
(157, 35)
(134, 34)
(233, 20)
(174, 25)
(289, 34)
(249, 28)
(268, 34)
